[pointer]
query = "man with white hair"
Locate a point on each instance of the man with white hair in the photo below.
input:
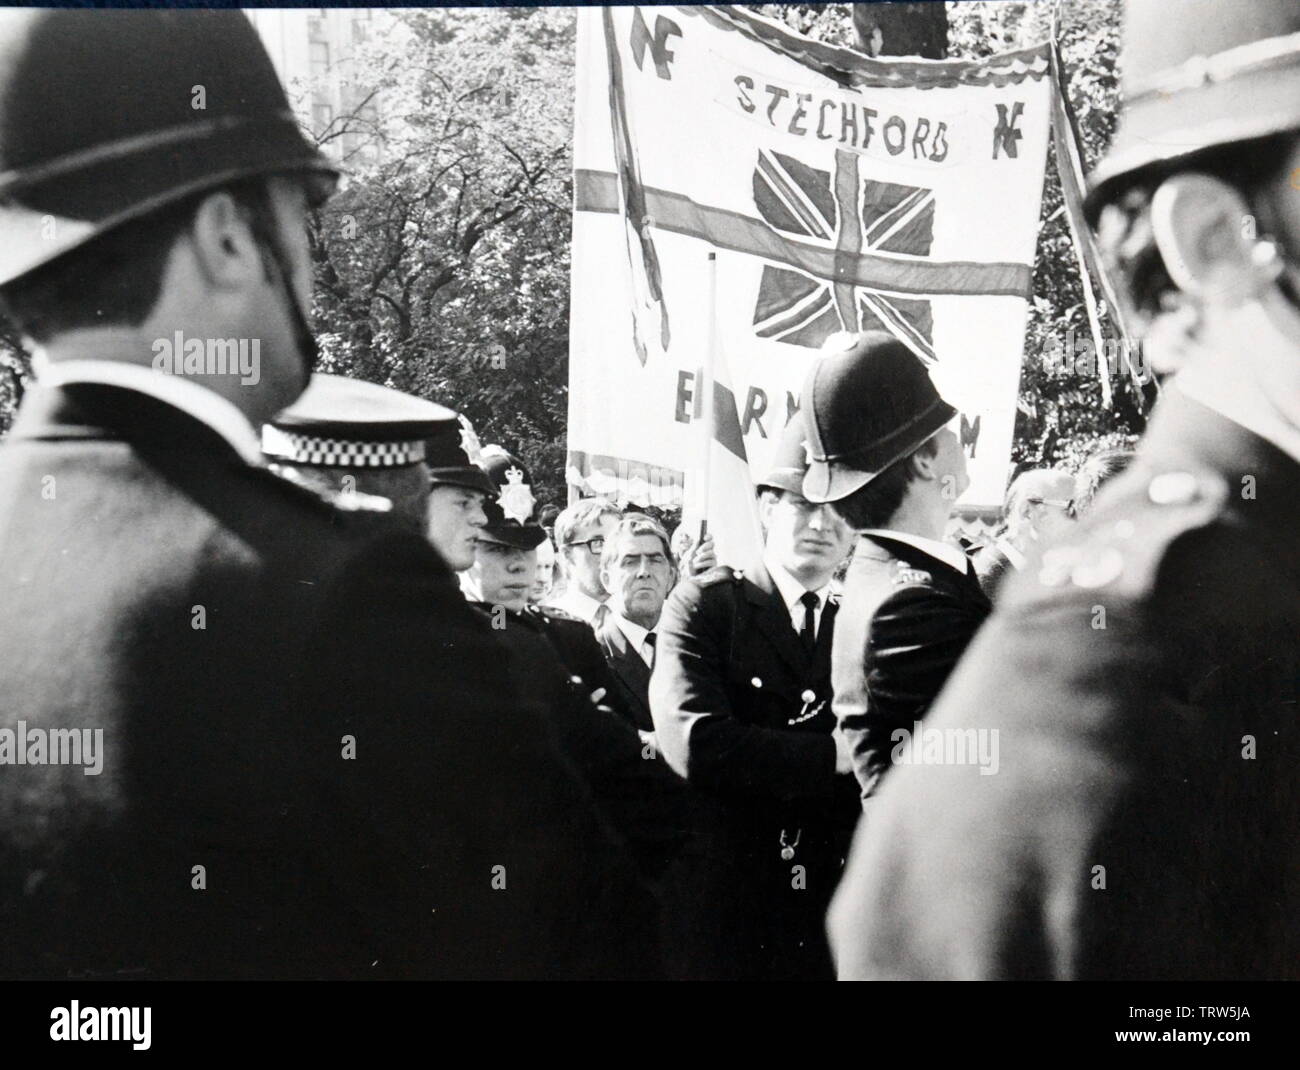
(1039, 507)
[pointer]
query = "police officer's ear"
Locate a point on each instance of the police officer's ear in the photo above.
(924, 460)
(226, 251)
(1207, 239)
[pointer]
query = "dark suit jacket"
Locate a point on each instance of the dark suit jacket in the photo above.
(630, 674)
(1143, 681)
(992, 566)
(727, 698)
(905, 619)
(296, 700)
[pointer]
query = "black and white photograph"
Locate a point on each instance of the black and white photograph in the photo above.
(760, 493)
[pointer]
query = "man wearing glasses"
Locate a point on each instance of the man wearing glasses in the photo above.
(580, 534)
(1039, 508)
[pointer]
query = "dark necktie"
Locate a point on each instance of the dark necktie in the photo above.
(808, 633)
(650, 650)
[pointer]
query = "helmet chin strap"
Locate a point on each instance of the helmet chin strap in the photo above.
(304, 340)
(276, 266)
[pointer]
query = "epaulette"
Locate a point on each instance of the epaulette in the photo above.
(718, 574)
(905, 574)
(551, 613)
(1121, 548)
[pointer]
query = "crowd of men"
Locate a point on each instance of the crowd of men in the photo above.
(363, 714)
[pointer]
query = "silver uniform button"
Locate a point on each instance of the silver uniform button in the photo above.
(756, 682)
(808, 696)
(1173, 488)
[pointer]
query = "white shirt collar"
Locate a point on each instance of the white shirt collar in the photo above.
(1013, 555)
(204, 405)
(790, 589)
(636, 634)
(942, 551)
(578, 603)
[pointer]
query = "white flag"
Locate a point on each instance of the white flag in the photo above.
(839, 192)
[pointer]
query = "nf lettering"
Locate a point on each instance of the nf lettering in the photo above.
(76, 1022)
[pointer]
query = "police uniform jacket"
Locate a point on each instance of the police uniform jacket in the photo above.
(730, 696)
(643, 801)
(992, 566)
(1142, 678)
(303, 771)
(905, 619)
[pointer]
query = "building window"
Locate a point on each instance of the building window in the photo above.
(321, 117)
(320, 59)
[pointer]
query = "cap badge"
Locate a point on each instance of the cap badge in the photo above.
(469, 442)
(516, 499)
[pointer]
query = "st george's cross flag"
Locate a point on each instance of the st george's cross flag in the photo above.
(840, 193)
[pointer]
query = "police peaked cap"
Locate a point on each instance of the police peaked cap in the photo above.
(866, 408)
(349, 423)
(1199, 74)
(107, 116)
(453, 457)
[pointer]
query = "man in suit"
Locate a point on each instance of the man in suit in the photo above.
(911, 600)
(740, 696)
(637, 569)
(1039, 508)
(302, 772)
(1142, 679)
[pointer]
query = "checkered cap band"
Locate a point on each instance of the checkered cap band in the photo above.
(339, 452)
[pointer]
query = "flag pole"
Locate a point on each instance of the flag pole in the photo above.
(706, 394)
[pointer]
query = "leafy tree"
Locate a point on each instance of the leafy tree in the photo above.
(442, 269)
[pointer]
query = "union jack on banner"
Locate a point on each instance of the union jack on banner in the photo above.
(842, 217)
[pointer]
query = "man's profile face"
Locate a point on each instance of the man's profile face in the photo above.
(807, 540)
(454, 519)
(584, 558)
(638, 576)
(1050, 513)
(505, 574)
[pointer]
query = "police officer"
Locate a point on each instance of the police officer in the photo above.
(1142, 677)
(893, 469)
(558, 656)
(740, 697)
(301, 771)
(360, 443)
(459, 491)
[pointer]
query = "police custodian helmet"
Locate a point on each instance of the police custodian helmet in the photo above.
(1199, 74)
(108, 116)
